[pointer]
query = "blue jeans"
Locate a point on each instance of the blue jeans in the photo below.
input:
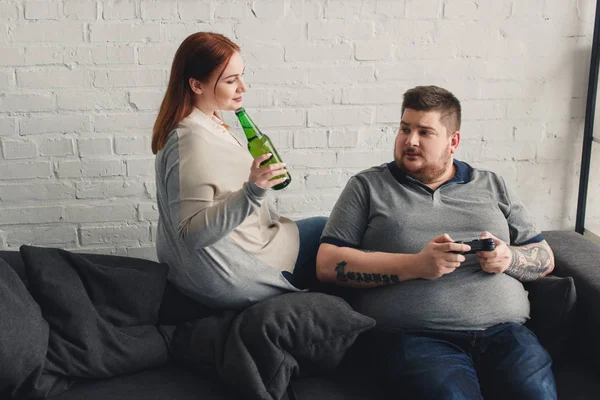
(505, 361)
(305, 270)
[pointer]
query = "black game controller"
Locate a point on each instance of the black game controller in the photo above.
(477, 245)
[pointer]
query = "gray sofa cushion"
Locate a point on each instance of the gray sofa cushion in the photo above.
(23, 338)
(102, 318)
(167, 382)
(118, 294)
(259, 350)
(553, 305)
(579, 258)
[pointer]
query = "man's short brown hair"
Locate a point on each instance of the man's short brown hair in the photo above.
(433, 98)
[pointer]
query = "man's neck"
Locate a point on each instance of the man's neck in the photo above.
(449, 174)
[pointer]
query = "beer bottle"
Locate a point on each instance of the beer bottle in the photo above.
(259, 144)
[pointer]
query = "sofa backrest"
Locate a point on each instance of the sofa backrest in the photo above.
(175, 308)
(13, 258)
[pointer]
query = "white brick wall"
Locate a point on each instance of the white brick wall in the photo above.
(81, 81)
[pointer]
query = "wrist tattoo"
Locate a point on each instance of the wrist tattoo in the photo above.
(530, 262)
(342, 276)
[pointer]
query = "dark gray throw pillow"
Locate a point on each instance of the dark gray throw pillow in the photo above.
(271, 341)
(102, 318)
(23, 336)
(177, 308)
(553, 301)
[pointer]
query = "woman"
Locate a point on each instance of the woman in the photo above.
(225, 247)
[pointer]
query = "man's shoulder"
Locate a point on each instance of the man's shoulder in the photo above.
(488, 181)
(483, 174)
(371, 173)
(368, 180)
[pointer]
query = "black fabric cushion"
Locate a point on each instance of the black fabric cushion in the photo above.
(553, 300)
(578, 257)
(312, 330)
(102, 318)
(23, 335)
(168, 382)
(259, 350)
(13, 258)
(176, 308)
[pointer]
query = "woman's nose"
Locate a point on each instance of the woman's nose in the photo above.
(242, 88)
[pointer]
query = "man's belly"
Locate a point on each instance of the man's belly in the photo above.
(467, 299)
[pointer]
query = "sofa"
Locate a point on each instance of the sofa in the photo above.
(565, 315)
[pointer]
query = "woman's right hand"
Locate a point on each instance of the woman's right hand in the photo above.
(261, 175)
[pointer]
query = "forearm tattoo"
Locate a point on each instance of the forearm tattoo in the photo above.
(530, 262)
(363, 277)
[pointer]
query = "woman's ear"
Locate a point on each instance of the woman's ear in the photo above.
(195, 85)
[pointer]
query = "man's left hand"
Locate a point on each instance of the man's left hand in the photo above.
(497, 260)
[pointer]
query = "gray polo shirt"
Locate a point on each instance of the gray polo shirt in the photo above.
(382, 209)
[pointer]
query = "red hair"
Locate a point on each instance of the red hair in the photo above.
(198, 57)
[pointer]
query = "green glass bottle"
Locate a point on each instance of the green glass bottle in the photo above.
(259, 144)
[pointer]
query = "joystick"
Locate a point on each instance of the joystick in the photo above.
(477, 245)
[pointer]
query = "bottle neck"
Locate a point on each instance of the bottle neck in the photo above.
(250, 129)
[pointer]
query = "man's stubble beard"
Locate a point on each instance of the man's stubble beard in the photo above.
(427, 173)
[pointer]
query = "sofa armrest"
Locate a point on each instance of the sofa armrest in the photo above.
(579, 258)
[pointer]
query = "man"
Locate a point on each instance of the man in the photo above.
(449, 325)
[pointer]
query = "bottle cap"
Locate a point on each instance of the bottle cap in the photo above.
(239, 110)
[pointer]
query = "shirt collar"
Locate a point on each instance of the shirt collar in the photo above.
(210, 122)
(462, 175)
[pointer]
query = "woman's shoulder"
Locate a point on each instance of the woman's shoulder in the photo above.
(189, 136)
(182, 140)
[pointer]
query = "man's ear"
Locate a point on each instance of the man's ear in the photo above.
(195, 85)
(454, 141)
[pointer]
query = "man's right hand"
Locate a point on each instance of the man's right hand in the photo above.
(436, 260)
